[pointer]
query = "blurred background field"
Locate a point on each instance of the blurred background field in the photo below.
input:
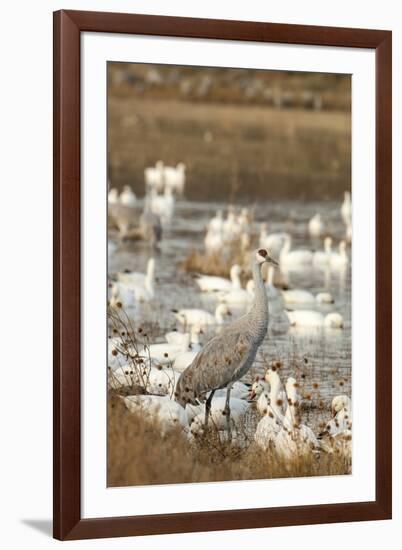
(243, 132)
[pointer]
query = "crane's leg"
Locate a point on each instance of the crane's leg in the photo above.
(227, 412)
(208, 408)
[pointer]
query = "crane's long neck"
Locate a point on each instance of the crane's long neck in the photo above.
(259, 311)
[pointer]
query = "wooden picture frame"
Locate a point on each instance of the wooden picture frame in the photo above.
(68, 26)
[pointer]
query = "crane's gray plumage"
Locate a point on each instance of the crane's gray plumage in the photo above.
(229, 355)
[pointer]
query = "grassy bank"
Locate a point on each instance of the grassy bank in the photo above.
(231, 151)
(139, 455)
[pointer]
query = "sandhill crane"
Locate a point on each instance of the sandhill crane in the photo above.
(229, 355)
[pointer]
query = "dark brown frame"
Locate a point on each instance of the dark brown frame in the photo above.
(68, 26)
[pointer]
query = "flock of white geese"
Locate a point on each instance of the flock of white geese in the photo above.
(132, 288)
(158, 365)
(278, 408)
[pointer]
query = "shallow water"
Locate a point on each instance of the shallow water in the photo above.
(319, 359)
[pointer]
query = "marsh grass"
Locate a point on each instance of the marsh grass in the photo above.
(139, 455)
(130, 349)
(216, 264)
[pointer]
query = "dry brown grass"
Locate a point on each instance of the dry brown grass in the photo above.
(258, 151)
(216, 264)
(139, 455)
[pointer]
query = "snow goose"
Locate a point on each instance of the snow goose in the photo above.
(273, 242)
(215, 225)
(161, 408)
(339, 260)
(243, 220)
(127, 196)
(337, 434)
(323, 257)
(210, 283)
(200, 317)
(154, 177)
(298, 296)
(175, 177)
(165, 353)
(231, 229)
(113, 196)
(239, 296)
(239, 391)
(314, 319)
(267, 430)
(160, 381)
(142, 284)
(238, 408)
(277, 394)
(259, 392)
(303, 433)
(316, 226)
(184, 359)
(213, 241)
(163, 205)
(324, 298)
(294, 259)
(346, 208)
(122, 296)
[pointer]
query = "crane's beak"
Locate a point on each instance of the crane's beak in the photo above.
(251, 395)
(270, 260)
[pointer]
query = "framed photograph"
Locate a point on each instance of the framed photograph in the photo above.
(222, 313)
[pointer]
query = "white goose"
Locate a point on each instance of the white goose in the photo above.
(123, 296)
(175, 177)
(113, 196)
(165, 353)
(202, 318)
(143, 284)
(323, 257)
(324, 298)
(303, 433)
(154, 176)
(316, 226)
(339, 259)
(274, 295)
(210, 283)
(162, 408)
(183, 360)
(238, 408)
(339, 427)
(231, 229)
(239, 296)
(271, 424)
(260, 391)
(213, 241)
(175, 337)
(346, 208)
(294, 259)
(215, 225)
(284, 433)
(314, 319)
(160, 381)
(127, 196)
(239, 391)
(298, 296)
(163, 205)
(273, 242)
